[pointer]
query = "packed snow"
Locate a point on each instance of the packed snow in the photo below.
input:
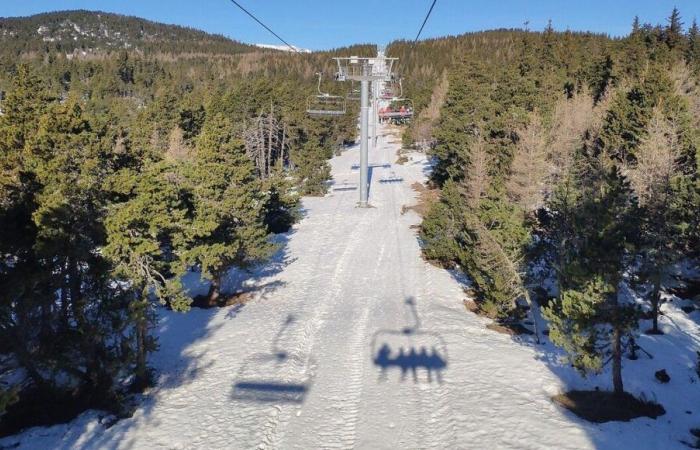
(354, 341)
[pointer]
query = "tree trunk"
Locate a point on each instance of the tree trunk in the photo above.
(282, 156)
(633, 349)
(655, 303)
(214, 292)
(76, 295)
(65, 311)
(618, 388)
(261, 147)
(141, 372)
(268, 163)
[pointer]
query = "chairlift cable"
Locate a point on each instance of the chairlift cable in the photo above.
(265, 26)
(424, 22)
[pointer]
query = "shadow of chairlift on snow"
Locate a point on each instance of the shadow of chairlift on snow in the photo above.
(423, 354)
(275, 377)
(345, 186)
(391, 178)
(356, 166)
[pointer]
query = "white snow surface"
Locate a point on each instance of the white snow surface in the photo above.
(315, 360)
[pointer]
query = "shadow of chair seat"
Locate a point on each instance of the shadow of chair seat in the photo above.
(272, 378)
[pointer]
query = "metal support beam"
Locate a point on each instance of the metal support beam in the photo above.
(366, 70)
(375, 111)
(364, 125)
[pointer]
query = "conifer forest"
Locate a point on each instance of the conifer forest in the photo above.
(169, 210)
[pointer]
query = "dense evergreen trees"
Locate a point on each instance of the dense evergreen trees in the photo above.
(570, 151)
(122, 169)
(120, 173)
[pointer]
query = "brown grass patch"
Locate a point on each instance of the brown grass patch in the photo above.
(605, 406)
(426, 197)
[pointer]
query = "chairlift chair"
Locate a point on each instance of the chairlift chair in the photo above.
(354, 94)
(400, 109)
(325, 104)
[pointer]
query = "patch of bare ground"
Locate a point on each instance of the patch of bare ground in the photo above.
(426, 197)
(239, 298)
(509, 328)
(503, 327)
(605, 406)
(471, 306)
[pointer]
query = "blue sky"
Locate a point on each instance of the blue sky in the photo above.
(323, 24)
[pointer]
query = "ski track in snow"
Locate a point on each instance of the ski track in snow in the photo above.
(298, 367)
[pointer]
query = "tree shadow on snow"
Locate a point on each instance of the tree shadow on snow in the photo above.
(253, 280)
(674, 351)
(177, 363)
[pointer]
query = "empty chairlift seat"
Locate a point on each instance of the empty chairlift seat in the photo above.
(325, 104)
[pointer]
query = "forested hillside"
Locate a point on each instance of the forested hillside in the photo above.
(567, 165)
(160, 150)
(81, 33)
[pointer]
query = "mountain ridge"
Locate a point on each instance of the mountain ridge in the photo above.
(85, 30)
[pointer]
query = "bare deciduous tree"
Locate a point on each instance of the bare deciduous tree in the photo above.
(431, 113)
(571, 118)
(177, 148)
(651, 179)
(656, 162)
(267, 143)
(530, 166)
(477, 176)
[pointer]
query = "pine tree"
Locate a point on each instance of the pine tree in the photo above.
(144, 235)
(25, 103)
(630, 113)
(602, 78)
(692, 53)
(227, 226)
(66, 318)
(589, 319)
(652, 177)
(635, 25)
(467, 105)
(312, 169)
(674, 31)
(282, 205)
